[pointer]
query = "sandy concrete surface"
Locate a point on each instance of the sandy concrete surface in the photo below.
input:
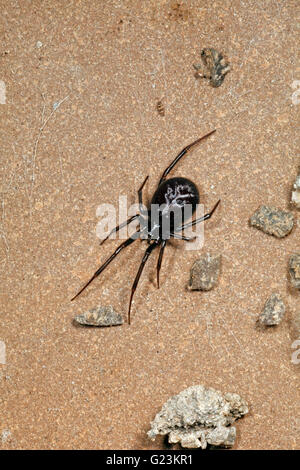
(79, 127)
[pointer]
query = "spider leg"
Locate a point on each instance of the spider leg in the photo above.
(180, 155)
(137, 278)
(140, 195)
(201, 219)
(181, 237)
(116, 229)
(106, 263)
(127, 222)
(161, 253)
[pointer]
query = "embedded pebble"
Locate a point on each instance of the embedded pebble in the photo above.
(99, 316)
(295, 200)
(214, 65)
(205, 272)
(199, 416)
(2, 92)
(273, 221)
(5, 435)
(294, 270)
(295, 323)
(273, 311)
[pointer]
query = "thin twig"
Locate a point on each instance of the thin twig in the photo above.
(35, 147)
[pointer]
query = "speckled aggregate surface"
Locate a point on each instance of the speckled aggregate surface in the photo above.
(79, 127)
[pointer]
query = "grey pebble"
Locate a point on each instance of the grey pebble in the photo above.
(99, 316)
(273, 221)
(273, 311)
(205, 272)
(294, 270)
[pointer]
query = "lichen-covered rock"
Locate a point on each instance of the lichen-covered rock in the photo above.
(214, 67)
(294, 270)
(295, 200)
(205, 272)
(273, 221)
(199, 416)
(100, 316)
(273, 311)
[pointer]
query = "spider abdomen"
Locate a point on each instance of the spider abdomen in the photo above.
(173, 202)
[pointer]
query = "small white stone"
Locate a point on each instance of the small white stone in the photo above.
(296, 193)
(6, 434)
(2, 92)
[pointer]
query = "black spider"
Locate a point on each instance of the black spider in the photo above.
(160, 223)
